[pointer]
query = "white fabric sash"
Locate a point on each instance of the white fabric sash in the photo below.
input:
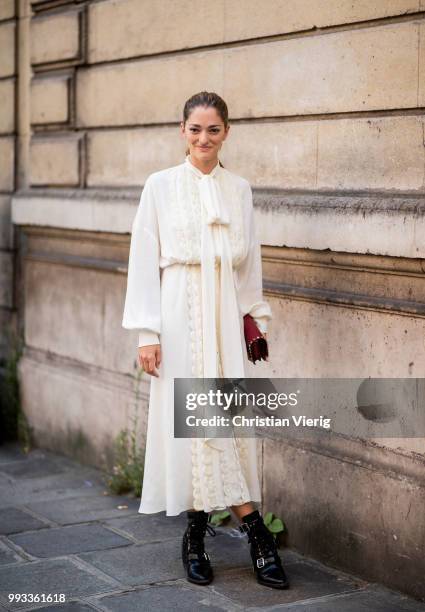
(230, 326)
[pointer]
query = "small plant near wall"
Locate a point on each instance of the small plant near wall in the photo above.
(14, 425)
(127, 471)
(274, 524)
(220, 518)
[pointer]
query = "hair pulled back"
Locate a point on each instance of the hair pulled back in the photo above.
(207, 99)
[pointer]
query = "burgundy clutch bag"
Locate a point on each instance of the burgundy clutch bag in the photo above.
(256, 344)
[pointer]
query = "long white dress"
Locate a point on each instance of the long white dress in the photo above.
(194, 270)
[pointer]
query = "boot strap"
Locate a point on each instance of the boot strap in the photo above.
(198, 556)
(261, 561)
(247, 527)
(211, 530)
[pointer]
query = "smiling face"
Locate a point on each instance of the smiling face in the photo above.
(204, 132)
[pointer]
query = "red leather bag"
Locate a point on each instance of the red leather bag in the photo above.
(256, 344)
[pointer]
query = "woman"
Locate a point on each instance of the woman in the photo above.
(194, 270)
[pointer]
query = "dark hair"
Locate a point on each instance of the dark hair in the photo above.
(207, 99)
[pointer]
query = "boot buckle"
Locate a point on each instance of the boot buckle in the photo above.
(260, 562)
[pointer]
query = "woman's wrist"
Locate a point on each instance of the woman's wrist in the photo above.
(147, 337)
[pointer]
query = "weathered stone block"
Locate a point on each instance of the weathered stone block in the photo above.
(250, 19)
(6, 278)
(7, 105)
(343, 342)
(7, 49)
(319, 74)
(145, 91)
(123, 28)
(273, 154)
(421, 72)
(49, 100)
(84, 409)
(7, 161)
(127, 28)
(338, 72)
(385, 153)
(6, 228)
(7, 9)
(380, 153)
(127, 157)
(361, 518)
(55, 161)
(342, 223)
(93, 332)
(55, 37)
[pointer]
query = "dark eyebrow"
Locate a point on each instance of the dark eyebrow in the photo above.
(197, 125)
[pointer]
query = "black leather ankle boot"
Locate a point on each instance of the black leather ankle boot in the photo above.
(195, 560)
(266, 562)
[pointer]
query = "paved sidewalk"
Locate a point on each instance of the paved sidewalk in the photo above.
(60, 532)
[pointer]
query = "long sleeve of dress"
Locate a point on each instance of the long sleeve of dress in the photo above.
(249, 277)
(142, 309)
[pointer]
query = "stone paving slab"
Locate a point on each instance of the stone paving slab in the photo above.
(104, 558)
(368, 600)
(235, 544)
(139, 564)
(147, 528)
(7, 555)
(306, 581)
(11, 452)
(227, 552)
(15, 520)
(181, 596)
(150, 528)
(59, 486)
(74, 606)
(60, 575)
(84, 509)
(37, 468)
(36, 464)
(55, 542)
(160, 561)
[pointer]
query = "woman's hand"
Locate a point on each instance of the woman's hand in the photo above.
(150, 358)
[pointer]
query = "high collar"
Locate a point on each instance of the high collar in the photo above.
(198, 172)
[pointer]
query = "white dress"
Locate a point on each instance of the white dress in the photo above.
(194, 270)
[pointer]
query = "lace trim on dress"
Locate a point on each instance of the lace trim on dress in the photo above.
(217, 475)
(188, 215)
(195, 319)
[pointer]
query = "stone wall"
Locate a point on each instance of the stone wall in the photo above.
(326, 107)
(7, 172)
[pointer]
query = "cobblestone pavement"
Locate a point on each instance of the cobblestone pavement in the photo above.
(61, 533)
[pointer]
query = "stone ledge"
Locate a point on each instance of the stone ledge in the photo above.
(354, 223)
(381, 303)
(398, 464)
